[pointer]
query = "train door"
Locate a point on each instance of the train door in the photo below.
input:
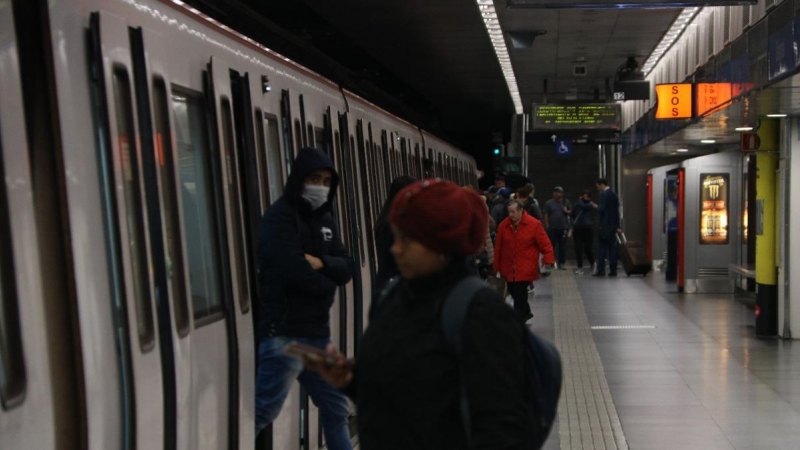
(35, 411)
(367, 208)
(127, 231)
(350, 334)
(241, 401)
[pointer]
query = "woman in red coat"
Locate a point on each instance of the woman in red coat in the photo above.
(520, 239)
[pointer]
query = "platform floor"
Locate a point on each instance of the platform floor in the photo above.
(686, 374)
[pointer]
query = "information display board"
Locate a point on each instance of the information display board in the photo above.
(714, 192)
(577, 117)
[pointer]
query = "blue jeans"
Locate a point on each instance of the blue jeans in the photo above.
(277, 371)
(559, 240)
(608, 250)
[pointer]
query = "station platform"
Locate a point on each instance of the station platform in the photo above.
(646, 367)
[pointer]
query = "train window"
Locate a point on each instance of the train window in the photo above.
(169, 199)
(312, 142)
(273, 157)
(134, 214)
(286, 121)
(236, 232)
(261, 160)
(12, 363)
(199, 212)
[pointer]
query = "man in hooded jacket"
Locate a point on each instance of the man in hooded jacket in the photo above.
(301, 261)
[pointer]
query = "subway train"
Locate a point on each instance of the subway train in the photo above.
(141, 142)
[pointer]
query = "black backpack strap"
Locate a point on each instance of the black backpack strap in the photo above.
(454, 313)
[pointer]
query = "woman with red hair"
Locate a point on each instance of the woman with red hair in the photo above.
(407, 380)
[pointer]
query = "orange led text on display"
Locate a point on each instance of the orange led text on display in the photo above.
(711, 96)
(674, 101)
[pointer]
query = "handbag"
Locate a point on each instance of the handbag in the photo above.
(497, 284)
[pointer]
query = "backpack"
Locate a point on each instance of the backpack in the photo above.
(542, 361)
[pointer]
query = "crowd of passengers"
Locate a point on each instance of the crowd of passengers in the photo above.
(411, 389)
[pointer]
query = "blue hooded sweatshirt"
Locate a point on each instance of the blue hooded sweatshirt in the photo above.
(295, 300)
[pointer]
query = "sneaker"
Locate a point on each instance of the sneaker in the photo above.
(578, 271)
(560, 267)
(598, 274)
(531, 290)
(612, 274)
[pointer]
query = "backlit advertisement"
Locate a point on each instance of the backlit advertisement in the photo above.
(714, 195)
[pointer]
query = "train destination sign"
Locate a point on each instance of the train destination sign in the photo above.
(577, 117)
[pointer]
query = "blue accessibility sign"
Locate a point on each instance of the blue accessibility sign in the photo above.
(563, 147)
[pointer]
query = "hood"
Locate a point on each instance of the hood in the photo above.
(308, 160)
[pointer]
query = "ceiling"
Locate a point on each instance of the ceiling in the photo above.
(435, 58)
(599, 39)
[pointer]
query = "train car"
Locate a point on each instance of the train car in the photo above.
(153, 138)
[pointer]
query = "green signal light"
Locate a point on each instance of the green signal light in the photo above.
(497, 151)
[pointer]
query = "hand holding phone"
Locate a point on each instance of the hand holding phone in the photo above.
(307, 352)
(329, 363)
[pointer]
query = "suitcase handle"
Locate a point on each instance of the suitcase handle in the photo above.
(621, 238)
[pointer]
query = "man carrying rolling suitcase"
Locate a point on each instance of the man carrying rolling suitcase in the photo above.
(609, 227)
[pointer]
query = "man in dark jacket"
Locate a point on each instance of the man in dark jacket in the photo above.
(301, 261)
(556, 221)
(499, 208)
(583, 229)
(609, 226)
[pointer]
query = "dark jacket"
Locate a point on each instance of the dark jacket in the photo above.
(294, 298)
(531, 206)
(608, 207)
(406, 375)
(582, 214)
(499, 210)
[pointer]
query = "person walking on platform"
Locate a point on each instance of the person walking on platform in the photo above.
(301, 261)
(384, 238)
(499, 207)
(408, 379)
(608, 208)
(556, 220)
(531, 206)
(583, 229)
(520, 241)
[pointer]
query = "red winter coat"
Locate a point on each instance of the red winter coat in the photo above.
(516, 252)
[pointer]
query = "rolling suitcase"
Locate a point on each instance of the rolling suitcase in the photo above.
(633, 256)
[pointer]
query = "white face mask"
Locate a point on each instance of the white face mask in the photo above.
(316, 195)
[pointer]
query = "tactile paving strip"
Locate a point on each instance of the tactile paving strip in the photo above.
(587, 417)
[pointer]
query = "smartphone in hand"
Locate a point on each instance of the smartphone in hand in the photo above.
(301, 351)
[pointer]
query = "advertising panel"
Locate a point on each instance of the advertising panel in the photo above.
(714, 195)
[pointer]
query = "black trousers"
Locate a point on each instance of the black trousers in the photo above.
(583, 243)
(519, 292)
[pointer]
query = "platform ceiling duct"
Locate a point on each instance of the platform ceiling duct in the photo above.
(618, 4)
(524, 39)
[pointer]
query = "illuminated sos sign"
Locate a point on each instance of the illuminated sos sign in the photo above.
(674, 101)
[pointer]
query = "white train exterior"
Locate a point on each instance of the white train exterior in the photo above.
(131, 196)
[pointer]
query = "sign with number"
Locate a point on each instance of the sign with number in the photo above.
(674, 101)
(711, 96)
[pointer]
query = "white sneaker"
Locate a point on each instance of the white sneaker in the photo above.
(578, 271)
(531, 289)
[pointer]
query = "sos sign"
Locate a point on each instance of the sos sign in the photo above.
(674, 101)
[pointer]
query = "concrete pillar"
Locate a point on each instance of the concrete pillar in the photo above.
(767, 187)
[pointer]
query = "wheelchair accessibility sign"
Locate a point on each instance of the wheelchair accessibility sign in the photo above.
(563, 147)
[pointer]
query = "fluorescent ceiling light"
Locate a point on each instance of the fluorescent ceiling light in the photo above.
(674, 32)
(708, 141)
(489, 16)
(683, 150)
(776, 115)
(744, 128)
